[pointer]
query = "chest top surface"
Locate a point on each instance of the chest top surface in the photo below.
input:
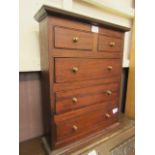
(53, 11)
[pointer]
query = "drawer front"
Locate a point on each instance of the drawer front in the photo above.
(111, 33)
(109, 44)
(72, 39)
(78, 98)
(82, 123)
(75, 69)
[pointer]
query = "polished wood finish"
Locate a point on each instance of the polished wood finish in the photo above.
(87, 69)
(75, 30)
(48, 10)
(78, 98)
(111, 33)
(82, 80)
(109, 44)
(82, 84)
(72, 126)
(71, 24)
(72, 39)
(110, 138)
(85, 54)
(47, 83)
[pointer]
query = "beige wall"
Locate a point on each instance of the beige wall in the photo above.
(119, 12)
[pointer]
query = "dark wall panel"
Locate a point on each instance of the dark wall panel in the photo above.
(30, 106)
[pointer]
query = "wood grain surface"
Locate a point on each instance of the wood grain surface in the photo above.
(64, 38)
(84, 119)
(75, 68)
(87, 69)
(104, 44)
(85, 97)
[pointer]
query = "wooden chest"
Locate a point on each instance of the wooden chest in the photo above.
(81, 61)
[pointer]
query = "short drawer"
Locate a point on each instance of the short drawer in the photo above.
(109, 44)
(72, 39)
(78, 98)
(76, 69)
(76, 125)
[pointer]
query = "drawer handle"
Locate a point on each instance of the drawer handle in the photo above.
(75, 128)
(107, 115)
(112, 44)
(74, 99)
(75, 39)
(109, 68)
(75, 69)
(109, 92)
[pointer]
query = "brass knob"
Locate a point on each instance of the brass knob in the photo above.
(107, 115)
(109, 68)
(112, 44)
(75, 128)
(109, 92)
(75, 39)
(75, 69)
(74, 99)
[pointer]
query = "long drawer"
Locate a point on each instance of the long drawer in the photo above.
(74, 125)
(78, 98)
(76, 69)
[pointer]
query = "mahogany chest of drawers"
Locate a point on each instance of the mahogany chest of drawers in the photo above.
(81, 61)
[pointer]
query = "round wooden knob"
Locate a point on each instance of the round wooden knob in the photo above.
(75, 100)
(107, 115)
(109, 68)
(109, 92)
(75, 128)
(75, 39)
(112, 44)
(75, 69)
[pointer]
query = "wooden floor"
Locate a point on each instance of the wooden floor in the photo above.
(124, 147)
(32, 147)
